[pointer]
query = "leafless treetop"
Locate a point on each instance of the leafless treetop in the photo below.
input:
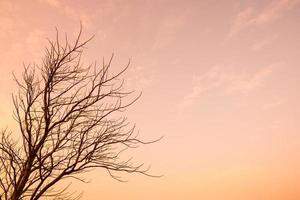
(70, 121)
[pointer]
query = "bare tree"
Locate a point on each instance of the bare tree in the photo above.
(69, 120)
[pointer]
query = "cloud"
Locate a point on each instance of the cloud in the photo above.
(70, 12)
(244, 84)
(140, 77)
(250, 17)
(274, 10)
(226, 80)
(260, 44)
(53, 3)
(169, 28)
(78, 15)
(272, 104)
(242, 21)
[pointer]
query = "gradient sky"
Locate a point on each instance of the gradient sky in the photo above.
(220, 81)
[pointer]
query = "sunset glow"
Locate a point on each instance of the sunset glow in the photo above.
(220, 80)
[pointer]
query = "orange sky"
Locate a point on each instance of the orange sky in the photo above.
(220, 81)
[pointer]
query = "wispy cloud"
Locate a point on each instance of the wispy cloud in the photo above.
(260, 44)
(169, 28)
(70, 12)
(251, 17)
(53, 3)
(274, 10)
(243, 83)
(272, 104)
(139, 77)
(242, 21)
(227, 80)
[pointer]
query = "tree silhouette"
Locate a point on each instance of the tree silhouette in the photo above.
(70, 122)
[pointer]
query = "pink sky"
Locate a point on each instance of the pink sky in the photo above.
(220, 81)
